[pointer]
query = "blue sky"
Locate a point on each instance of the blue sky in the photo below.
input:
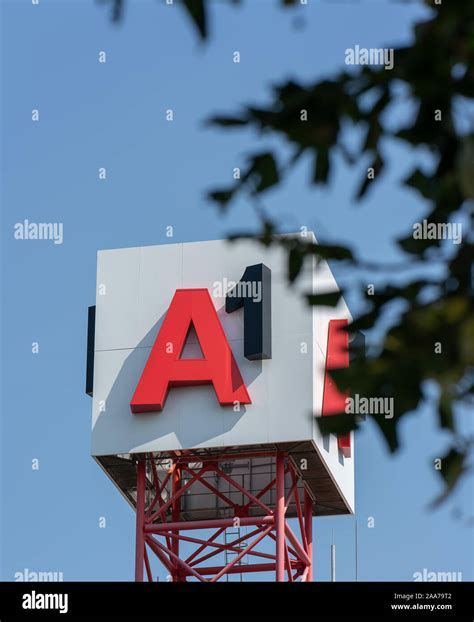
(112, 115)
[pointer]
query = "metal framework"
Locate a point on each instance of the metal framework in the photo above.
(160, 524)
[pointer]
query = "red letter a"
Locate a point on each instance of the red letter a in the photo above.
(164, 368)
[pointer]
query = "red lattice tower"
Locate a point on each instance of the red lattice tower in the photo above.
(161, 524)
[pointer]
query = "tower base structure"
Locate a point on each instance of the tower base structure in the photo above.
(245, 499)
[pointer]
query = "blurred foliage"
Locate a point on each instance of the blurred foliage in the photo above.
(436, 72)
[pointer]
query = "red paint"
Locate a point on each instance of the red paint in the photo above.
(334, 401)
(308, 526)
(162, 531)
(140, 521)
(165, 368)
(280, 517)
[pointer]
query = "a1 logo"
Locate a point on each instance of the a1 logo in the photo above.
(194, 308)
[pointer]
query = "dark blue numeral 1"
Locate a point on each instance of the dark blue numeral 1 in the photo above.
(254, 293)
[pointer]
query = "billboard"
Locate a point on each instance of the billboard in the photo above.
(203, 345)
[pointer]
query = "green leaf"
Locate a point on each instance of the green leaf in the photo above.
(452, 465)
(452, 468)
(388, 428)
(337, 424)
(331, 251)
(322, 167)
(197, 11)
(295, 263)
(227, 121)
(377, 165)
(446, 416)
(222, 197)
(421, 182)
(265, 171)
(330, 299)
(117, 9)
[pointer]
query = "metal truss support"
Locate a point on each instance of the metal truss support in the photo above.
(160, 527)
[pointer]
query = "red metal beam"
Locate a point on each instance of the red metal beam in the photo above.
(252, 533)
(180, 492)
(158, 492)
(297, 546)
(159, 489)
(160, 554)
(245, 492)
(299, 510)
(290, 550)
(147, 566)
(260, 494)
(209, 524)
(230, 546)
(236, 559)
(140, 535)
(290, 494)
(273, 524)
(213, 489)
(175, 514)
(189, 559)
(288, 565)
(280, 517)
(181, 563)
(308, 522)
(247, 568)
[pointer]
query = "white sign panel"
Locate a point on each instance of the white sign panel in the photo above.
(135, 287)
